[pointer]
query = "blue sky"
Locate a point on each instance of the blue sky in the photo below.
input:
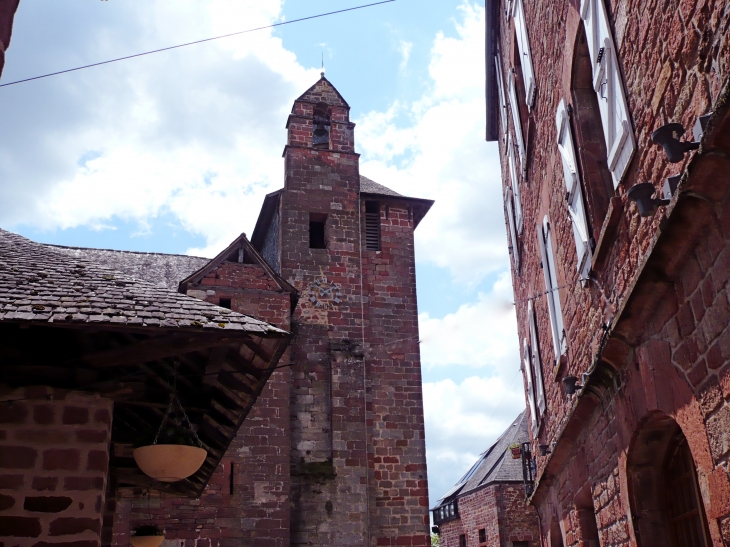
(174, 152)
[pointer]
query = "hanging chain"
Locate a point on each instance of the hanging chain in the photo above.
(174, 399)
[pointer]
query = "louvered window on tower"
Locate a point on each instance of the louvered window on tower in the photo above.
(372, 225)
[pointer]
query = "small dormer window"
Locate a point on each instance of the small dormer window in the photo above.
(321, 126)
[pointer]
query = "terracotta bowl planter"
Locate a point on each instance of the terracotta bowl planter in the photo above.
(516, 453)
(146, 541)
(169, 462)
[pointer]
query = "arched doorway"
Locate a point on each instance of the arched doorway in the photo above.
(666, 505)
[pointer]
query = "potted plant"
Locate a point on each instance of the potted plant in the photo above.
(516, 450)
(148, 535)
(173, 455)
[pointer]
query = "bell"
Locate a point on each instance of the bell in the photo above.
(673, 148)
(320, 135)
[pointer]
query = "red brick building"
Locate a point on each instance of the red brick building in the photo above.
(487, 506)
(621, 297)
(333, 450)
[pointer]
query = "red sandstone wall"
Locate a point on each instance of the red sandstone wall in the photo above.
(675, 57)
(398, 456)
(247, 500)
(498, 509)
(342, 409)
(54, 456)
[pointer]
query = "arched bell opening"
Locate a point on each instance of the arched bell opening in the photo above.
(666, 505)
(321, 125)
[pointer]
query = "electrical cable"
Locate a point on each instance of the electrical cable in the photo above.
(199, 41)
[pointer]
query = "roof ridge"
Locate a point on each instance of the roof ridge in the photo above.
(115, 250)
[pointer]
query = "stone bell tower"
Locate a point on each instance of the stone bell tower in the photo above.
(358, 462)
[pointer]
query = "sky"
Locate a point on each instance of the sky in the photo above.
(174, 152)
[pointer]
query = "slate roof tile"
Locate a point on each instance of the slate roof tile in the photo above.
(42, 283)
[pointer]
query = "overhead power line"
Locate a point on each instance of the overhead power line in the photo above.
(199, 41)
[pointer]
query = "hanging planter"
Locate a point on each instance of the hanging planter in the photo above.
(175, 453)
(516, 451)
(149, 535)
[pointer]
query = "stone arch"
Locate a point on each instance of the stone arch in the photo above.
(321, 117)
(664, 495)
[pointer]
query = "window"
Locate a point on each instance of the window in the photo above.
(535, 366)
(514, 107)
(552, 294)
(527, 370)
(316, 231)
(523, 46)
(515, 185)
(512, 231)
(585, 121)
(482, 535)
(462, 540)
(448, 511)
(608, 86)
(372, 225)
(686, 514)
(224, 303)
(574, 195)
(502, 94)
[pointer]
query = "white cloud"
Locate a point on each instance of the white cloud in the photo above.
(439, 152)
(197, 134)
(404, 48)
(464, 417)
(481, 334)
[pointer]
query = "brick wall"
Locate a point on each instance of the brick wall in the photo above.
(358, 452)
(54, 454)
(246, 502)
(669, 357)
(500, 510)
(398, 457)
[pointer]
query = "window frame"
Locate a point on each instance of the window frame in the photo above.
(517, 200)
(512, 227)
(574, 192)
(552, 290)
(535, 361)
(615, 120)
(523, 46)
(515, 108)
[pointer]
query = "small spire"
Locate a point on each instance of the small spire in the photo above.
(322, 73)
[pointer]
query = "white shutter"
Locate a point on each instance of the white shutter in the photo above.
(551, 287)
(574, 194)
(512, 231)
(527, 369)
(523, 45)
(502, 94)
(535, 359)
(608, 84)
(514, 107)
(515, 185)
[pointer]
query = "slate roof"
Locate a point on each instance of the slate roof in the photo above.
(40, 283)
(158, 268)
(495, 464)
(368, 186)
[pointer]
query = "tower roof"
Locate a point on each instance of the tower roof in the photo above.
(323, 92)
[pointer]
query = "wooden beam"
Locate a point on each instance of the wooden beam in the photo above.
(153, 349)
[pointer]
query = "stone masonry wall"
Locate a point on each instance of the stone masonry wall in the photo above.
(54, 454)
(500, 510)
(247, 500)
(675, 58)
(358, 457)
(397, 454)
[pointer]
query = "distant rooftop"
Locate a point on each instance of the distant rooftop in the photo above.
(495, 464)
